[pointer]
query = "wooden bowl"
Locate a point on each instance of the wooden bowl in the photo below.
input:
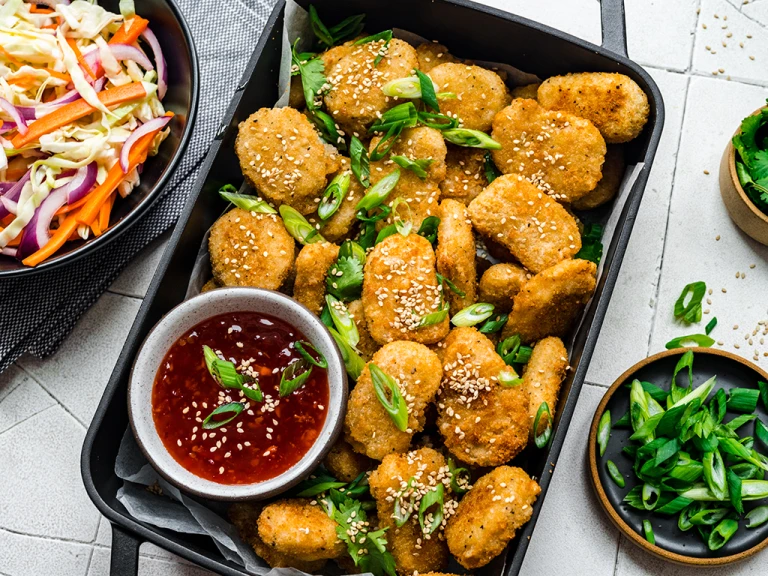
(743, 212)
(671, 543)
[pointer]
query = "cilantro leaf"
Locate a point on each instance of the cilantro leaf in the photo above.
(758, 167)
(347, 28)
(312, 71)
(368, 550)
(345, 279)
(591, 246)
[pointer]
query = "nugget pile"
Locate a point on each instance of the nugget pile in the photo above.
(424, 211)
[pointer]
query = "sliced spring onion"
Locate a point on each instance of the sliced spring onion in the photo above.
(352, 360)
(734, 491)
(233, 408)
(743, 400)
(327, 127)
(491, 172)
(460, 478)
(761, 432)
(227, 376)
(333, 196)
(614, 473)
(684, 520)
(428, 228)
(757, 517)
(473, 314)
(722, 533)
(294, 376)
(763, 387)
(431, 509)
(739, 421)
(316, 485)
(714, 474)
(375, 214)
(428, 95)
(508, 377)
(351, 249)
(359, 162)
(401, 116)
(378, 192)
(494, 324)
(650, 495)
(245, 201)
(344, 323)
(435, 317)
(302, 345)
(542, 440)
(750, 490)
(690, 312)
(298, 227)
(437, 121)
(418, 167)
(470, 138)
(408, 87)
(388, 393)
(692, 339)
(402, 514)
(451, 286)
(604, 431)
(403, 226)
(386, 232)
(648, 531)
(674, 506)
(710, 326)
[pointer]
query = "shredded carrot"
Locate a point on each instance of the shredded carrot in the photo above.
(51, 26)
(34, 9)
(106, 210)
(76, 110)
(10, 57)
(14, 174)
(96, 227)
(15, 242)
(7, 220)
(130, 35)
(74, 206)
(59, 75)
(25, 81)
(57, 240)
(73, 44)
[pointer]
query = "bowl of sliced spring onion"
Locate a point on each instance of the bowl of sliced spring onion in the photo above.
(678, 456)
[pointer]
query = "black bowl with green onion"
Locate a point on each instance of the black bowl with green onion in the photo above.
(682, 468)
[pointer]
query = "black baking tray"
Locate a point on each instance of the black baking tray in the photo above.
(471, 31)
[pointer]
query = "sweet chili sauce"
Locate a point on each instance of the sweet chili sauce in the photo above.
(267, 437)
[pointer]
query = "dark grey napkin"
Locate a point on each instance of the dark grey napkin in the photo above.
(37, 314)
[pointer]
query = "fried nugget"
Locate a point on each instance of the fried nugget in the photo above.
(331, 56)
(337, 227)
(432, 54)
(482, 422)
(346, 464)
(608, 187)
(368, 426)
(543, 376)
(312, 267)
(367, 346)
(355, 99)
(464, 175)
(480, 93)
(412, 549)
(282, 156)
(236, 261)
(296, 93)
(537, 230)
(499, 284)
(421, 195)
(549, 302)
(399, 288)
(490, 514)
(529, 91)
(296, 528)
(210, 285)
(612, 102)
(560, 153)
(456, 254)
(245, 516)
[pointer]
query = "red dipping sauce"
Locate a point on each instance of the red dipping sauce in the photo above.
(266, 438)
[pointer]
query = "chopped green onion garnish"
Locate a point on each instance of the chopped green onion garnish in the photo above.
(333, 196)
(378, 192)
(722, 533)
(695, 339)
(470, 138)
(347, 28)
(343, 321)
(352, 360)
(245, 201)
(317, 485)
(227, 376)
(459, 478)
(541, 440)
(473, 314)
(298, 227)
(491, 172)
(401, 116)
(763, 387)
(386, 232)
(388, 393)
(690, 312)
(408, 87)
(428, 95)
(650, 496)
(400, 513)
(233, 408)
(710, 326)
(403, 226)
(351, 249)
(613, 472)
(761, 431)
(714, 474)
(508, 377)
(428, 228)
(648, 531)
(451, 286)
(435, 317)
(359, 161)
(750, 490)
(418, 167)
(523, 355)
(431, 510)
(294, 377)
(386, 35)
(327, 127)
(494, 324)
(437, 121)
(734, 490)
(302, 345)
(604, 431)
(757, 517)
(743, 400)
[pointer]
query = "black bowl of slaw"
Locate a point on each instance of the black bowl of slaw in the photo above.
(175, 38)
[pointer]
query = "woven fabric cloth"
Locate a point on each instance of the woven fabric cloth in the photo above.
(38, 313)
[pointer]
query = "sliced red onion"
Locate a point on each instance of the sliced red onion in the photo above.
(35, 234)
(9, 252)
(15, 115)
(162, 69)
(81, 184)
(9, 205)
(7, 126)
(14, 193)
(5, 186)
(144, 129)
(128, 52)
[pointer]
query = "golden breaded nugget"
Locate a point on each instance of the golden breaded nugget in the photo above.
(490, 514)
(210, 285)
(245, 516)
(413, 550)
(282, 156)
(549, 302)
(338, 226)
(346, 464)
(482, 422)
(368, 426)
(543, 376)
(296, 528)
(312, 267)
(236, 262)
(456, 254)
(296, 94)
(606, 189)
(480, 94)
(537, 230)
(367, 346)
(560, 153)
(400, 288)
(529, 91)
(355, 99)
(432, 54)
(331, 56)
(464, 174)
(612, 102)
(499, 284)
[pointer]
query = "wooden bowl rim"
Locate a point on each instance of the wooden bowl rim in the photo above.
(617, 520)
(735, 177)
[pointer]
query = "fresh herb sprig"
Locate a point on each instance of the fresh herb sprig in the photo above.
(752, 159)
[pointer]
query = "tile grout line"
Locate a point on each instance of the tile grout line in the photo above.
(28, 418)
(39, 537)
(693, 44)
(90, 559)
(618, 553)
(59, 403)
(657, 291)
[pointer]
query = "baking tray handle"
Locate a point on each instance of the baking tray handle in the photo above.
(614, 26)
(125, 553)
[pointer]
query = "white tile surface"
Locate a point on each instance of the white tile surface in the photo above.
(672, 21)
(147, 566)
(29, 556)
(134, 280)
(578, 17)
(24, 398)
